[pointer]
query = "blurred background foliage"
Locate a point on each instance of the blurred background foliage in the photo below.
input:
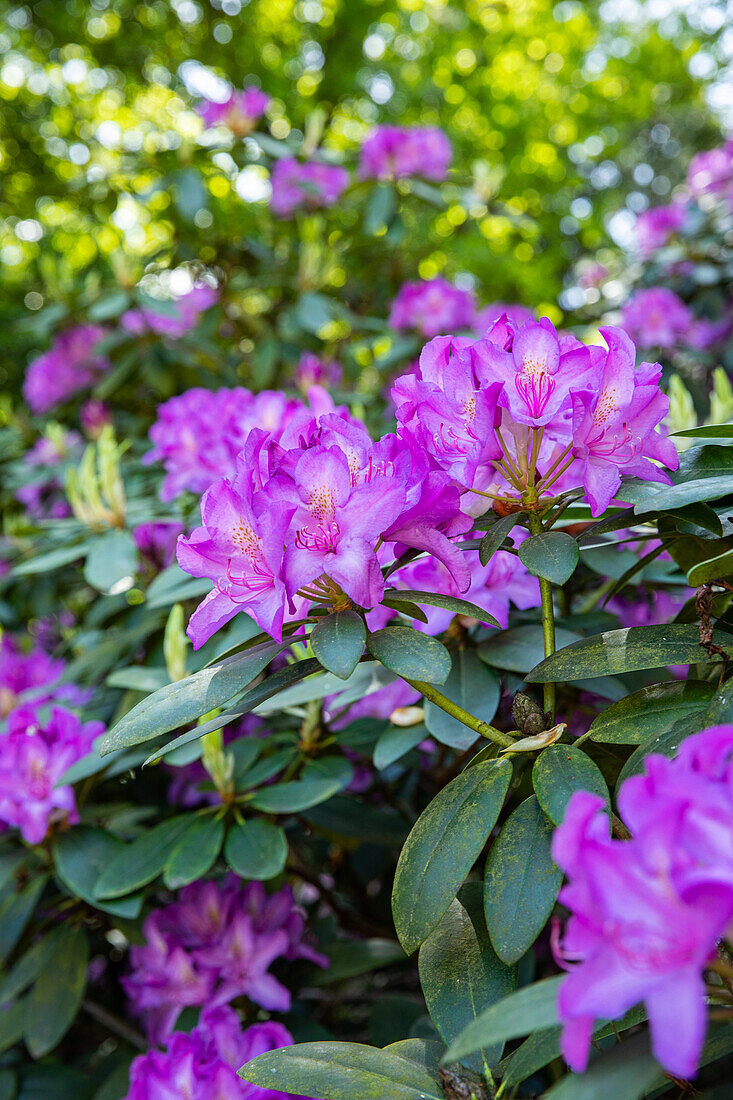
(561, 115)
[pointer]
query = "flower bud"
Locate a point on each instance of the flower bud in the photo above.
(527, 715)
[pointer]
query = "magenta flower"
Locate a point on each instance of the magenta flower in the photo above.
(94, 416)
(30, 677)
(72, 363)
(615, 425)
(655, 227)
(489, 315)
(434, 307)
(395, 152)
(202, 1065)
(34, 754)
(711, 172)
(157, 543)
(238, 113)
(173, 319)
(43, 497)
(312, 371)
(657, 318)
(646, 913)
(308, 186)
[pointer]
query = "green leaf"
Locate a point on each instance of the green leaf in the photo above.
(174, 586)
(552, 555)
(521, 881)
(12, 1024)
(521, 647)
(338, 642)
(704, 475)
(628, 650)
(53, 559)
(528, 1009)
(344, 817)
(54, 1001)
(664, 744)
(380, 209)
(29, 966)
(342, 1071)
(472, 686)
(707, 431)
(195, 852)
(8, 1084)
(404, 607)
(15, 912)
(497, 534)
(256, 849)
(111, 564)
(651, 711)
(81, 855)
(720, 709)
(410, 654)
(189, 193)
(143, 860)
(395, 742)
(561, 770)
(138, 678)
(460, 973)
(443, 845)
(626, 1072)
(348, 958)
(447, 603)
(319, 781)
(186, 700)
(711, 570)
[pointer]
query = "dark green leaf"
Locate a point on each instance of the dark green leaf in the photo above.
(473, 686)
(628, 650)
(187, 699)
(626, 1072)
(704, 475)
(344, 817)
(342, 1071)
(53, 559)
(664, 744)
(256, 849)
(338, 642)
(445, 842)
(404, 607)
(460, 973)
(521, 647)
(711, 570)
(81, 855)
(447, 603)
(143, 860)
(528, 1009)
(561, 770)
(380, 209)
(195, 852)
(395, 742)
(8, 1084)
(720, 709)
(551, 554)
(320, 780)
(54, 1000)
(651, 711)
(521, 882)
(15, 912)
(496, 535)
(707, 431)
(112, 562)
(30, 965)
(411, 654)
(348, 958)
(12, 1024)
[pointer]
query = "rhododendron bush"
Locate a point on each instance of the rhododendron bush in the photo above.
(366, 638)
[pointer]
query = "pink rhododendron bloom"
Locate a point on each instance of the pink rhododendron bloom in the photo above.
(312, 371)
(654, 227)
(34, 754)
(72, 363)
(215, 943)
(43, 496)
(203, 1065)
(29, 676)
(711, 172)
(173, 318)
(488, 315)
(394, 152)
(238, 113)
(615, 425)
(157, 543)
(646, 913)
(297, 186)
(433, 307)
(657, 318)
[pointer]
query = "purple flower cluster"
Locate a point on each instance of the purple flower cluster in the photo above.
(312, 371)
(655, 227)
(238, 113)
(202, 1065)
(34, 754)
(525, 409)
(215, 943)
(199, 434)
(72, 363)
(31, 676)
(395, 152)
(302, 521)
(43, 496)
(647, 913)
(297, 186)
(488, 316)
(156, 543)
(711, 173)
(433, 307)
(658, 318)
(174, 319)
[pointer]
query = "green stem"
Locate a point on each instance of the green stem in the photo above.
(534, 523)
(461, 715)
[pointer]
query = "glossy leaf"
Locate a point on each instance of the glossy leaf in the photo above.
(460, 973)
(395, 742)
(473, 686)
(256, 849)
(711, 570)
(195, 852)
(521, 647)
(558, 772)
(720, 708)
(81, 855)
(15, 912)
(521, 882)
(338, 642)
(497, 534)
(320, 780)
(54, 1001)
(342, 1071)
(551, 554)
(628, 650)
(651, 711)
(443, 845)
(528, 1009)
(143, 860)
(411, 654)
